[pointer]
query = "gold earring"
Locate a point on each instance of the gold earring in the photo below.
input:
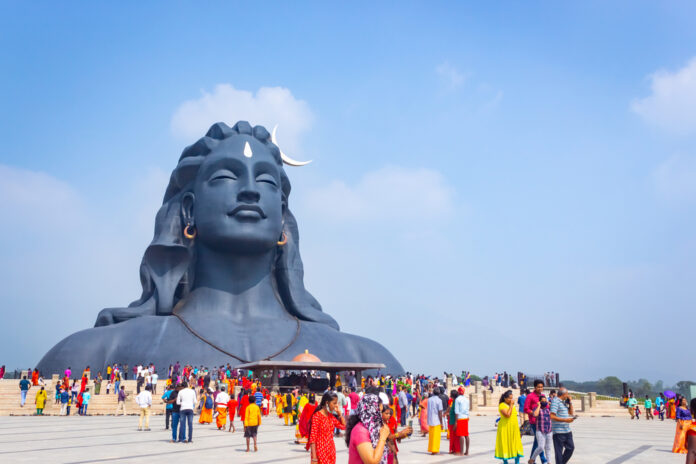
(187, 232)
(283, 241)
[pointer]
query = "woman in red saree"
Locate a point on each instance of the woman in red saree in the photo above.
(454, 444)
(305, 419)
(396, 410)
(35, 377)
(232, 410)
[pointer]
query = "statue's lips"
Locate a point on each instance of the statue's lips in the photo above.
(248, 212)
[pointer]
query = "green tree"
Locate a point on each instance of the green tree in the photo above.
(612, 386)
(683, 387)
(641, 387)
(659, 387)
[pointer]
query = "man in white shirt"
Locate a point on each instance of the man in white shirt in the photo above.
(153, 381)
(435, 409)
(221, 401)
(144, 401)
(342, 400)
(186, 399)
(461, 409)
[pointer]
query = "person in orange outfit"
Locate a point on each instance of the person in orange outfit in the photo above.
(221, 401)
(252, 420)
(232, 409)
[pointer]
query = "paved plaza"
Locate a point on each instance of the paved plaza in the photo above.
(83, 440)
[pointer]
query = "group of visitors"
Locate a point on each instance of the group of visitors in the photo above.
(212, 402)
(675, 407)
(658, 408)
(371, 413)
(549, 419)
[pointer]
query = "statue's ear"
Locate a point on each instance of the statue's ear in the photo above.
(187, 202)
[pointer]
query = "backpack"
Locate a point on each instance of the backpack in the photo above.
(526, 429)
(208, 402)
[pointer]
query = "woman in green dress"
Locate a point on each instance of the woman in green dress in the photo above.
(97, 384)
(508, 443)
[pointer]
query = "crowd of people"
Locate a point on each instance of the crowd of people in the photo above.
(374, 414)
(667, 405)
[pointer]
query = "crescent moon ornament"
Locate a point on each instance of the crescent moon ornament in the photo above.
(286, 159)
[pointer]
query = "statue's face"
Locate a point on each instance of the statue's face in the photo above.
(238, 199)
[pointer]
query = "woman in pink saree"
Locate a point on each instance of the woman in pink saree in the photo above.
(423, 416)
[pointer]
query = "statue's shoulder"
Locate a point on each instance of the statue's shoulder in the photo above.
(99, 346)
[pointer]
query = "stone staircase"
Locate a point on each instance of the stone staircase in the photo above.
(98, 405)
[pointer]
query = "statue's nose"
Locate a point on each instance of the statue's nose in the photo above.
(248, 195)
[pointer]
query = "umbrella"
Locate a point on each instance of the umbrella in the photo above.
(669, 394)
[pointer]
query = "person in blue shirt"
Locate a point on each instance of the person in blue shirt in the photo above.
(24, 386)
(85, 401)
(562, 415)
(64, 398)
(170, 406)
(660, 405)
(520, 405)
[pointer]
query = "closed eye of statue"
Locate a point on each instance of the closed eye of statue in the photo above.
(222, 174)
(267, 178)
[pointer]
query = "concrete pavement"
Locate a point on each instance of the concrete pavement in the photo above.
(109, 439)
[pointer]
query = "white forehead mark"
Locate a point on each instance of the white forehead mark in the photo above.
(247, 150)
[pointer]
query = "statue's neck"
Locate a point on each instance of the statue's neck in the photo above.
(233, 287)
(231, 272)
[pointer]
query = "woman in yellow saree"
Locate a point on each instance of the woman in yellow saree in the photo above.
(671, 409)
(206, 409)
(301, 404)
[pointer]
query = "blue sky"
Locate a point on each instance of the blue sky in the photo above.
(513, 183)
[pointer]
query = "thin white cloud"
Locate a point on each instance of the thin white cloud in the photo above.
(450, 76)
(69, 255)
(675, 178)
(672, 104)
(391, 195)
(268, 107)
(38, 200)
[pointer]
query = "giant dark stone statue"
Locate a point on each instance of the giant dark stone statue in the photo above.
(223, 278)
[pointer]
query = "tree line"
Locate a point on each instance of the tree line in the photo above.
(613, 386)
